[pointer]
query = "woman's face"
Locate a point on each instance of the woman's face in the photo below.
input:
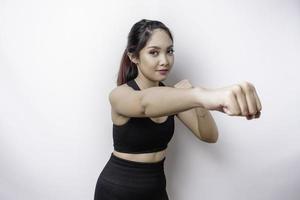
(156, 55)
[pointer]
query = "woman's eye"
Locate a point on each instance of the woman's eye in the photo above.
(153, 52)
(172, 51)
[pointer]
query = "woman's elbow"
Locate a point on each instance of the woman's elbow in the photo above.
(212, 139)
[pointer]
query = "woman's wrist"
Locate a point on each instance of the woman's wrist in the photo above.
(200, 94)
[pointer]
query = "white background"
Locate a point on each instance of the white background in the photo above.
(60, 59)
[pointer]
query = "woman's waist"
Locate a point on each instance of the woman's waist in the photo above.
(152, 157)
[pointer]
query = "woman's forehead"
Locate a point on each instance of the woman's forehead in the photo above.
(159, 39)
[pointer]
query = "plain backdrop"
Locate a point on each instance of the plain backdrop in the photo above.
(59, 60)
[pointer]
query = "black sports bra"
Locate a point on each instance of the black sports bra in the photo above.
(142, 134)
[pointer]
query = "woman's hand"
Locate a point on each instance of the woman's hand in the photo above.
(235, 100)
(183, 84)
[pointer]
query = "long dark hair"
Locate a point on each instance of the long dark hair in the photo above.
(138, 36)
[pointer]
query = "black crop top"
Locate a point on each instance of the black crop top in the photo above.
(142, 134)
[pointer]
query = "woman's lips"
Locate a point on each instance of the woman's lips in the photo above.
(163, 72)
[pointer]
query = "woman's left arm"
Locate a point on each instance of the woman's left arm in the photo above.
(207, 127)
(198, 120)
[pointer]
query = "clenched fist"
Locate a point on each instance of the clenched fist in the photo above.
(235, 100)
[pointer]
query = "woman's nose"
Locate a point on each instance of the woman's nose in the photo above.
(164, 60)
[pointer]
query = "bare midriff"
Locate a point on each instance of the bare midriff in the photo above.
(142, 157)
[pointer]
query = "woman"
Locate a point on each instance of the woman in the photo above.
(143, 115)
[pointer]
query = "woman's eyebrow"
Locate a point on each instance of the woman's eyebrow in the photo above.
(156, 47)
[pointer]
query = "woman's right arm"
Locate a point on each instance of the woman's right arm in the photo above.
(235, 100)
(154, 101)
(162, 101)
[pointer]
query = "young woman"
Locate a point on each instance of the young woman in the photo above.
(143, 111)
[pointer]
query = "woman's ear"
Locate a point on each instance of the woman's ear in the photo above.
(132, 58)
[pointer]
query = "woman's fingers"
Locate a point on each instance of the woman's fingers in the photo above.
(253, 101)
(247, 100)
(248, 89)
(259, 107)
(242, 101)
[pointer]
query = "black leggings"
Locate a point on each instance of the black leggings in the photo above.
(123, 179)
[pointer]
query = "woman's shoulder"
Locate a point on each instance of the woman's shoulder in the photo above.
(122, 86)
